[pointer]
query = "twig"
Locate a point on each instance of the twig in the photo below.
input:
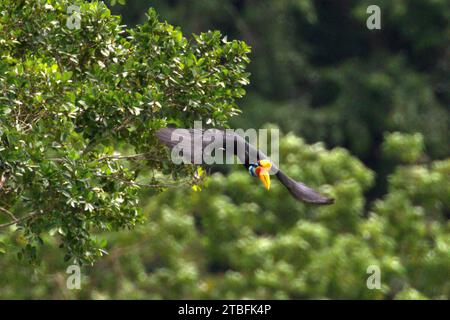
(145, 185)
(9, 213)
(29, 216)
(133, 156)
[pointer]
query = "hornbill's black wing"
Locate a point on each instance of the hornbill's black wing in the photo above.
(184, 138)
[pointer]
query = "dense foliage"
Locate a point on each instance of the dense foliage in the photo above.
(73, 101)
(78, 111)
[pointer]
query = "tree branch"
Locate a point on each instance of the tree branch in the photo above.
(159, 184)
(9, 213)
(18, 220)
(133, 156)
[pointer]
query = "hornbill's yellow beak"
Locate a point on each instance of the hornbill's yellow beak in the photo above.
(264, 176)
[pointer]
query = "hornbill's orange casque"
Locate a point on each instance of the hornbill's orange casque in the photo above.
(184, 138)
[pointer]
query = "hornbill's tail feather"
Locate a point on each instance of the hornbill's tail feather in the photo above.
(302, 192)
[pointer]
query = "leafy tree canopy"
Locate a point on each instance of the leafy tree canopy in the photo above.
(74, 102)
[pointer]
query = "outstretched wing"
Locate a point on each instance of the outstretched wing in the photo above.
(185, 138)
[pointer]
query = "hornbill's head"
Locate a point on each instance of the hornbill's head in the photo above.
(261, 170)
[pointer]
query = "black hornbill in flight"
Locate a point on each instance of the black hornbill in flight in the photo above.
(260, 167)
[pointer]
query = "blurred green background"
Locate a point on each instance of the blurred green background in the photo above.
(364, 113)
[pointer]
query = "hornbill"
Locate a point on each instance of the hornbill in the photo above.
(185, 139)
